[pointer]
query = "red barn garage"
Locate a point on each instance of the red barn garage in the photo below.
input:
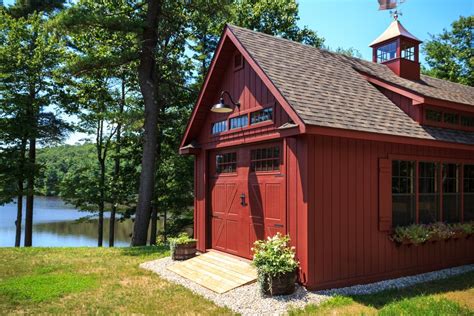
(334, 151)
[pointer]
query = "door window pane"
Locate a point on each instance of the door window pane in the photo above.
(403, 193)
(451, 193)
(428, 194)
(468, 193)
(265, 159)
(226, 163)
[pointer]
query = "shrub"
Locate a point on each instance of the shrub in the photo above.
(274, 256)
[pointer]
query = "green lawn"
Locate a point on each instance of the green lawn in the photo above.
(91, 281)
(98, 281)
(452, 296)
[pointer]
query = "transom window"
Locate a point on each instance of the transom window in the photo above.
(239, 121)
(467, 121)
(219, 127)
(433, 115)
(261, 116)
(449, 119)
(437, 195)
(387, 52)
(265, 159)
(226, 163)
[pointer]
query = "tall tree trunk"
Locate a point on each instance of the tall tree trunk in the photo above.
(165, 224)
(154, 214)
(100, 234)
(154, 219)
(19, 213)
(148, 82)
(116, 168)
(30, 193)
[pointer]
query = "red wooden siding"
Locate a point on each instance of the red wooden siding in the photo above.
(348, 246)
(404, 103)
(245, 86)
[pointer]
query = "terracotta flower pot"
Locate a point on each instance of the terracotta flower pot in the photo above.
(184, 251)
(282, 284)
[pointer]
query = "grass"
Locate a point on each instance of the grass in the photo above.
(451, 296)
(91, 281)
(108, 281)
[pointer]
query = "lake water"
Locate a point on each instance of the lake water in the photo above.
(55, 225)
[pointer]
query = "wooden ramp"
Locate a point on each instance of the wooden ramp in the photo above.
(216, 271)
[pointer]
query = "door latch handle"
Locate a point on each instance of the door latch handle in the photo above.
(242, 199)
(278, 225)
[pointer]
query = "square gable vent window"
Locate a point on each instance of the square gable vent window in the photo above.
(238, 61)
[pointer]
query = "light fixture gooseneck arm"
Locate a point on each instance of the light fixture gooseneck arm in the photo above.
(225, 92)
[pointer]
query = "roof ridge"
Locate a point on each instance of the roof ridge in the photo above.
(336, 54)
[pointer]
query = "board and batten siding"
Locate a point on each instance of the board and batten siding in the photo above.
(245, 86)
(343, 212)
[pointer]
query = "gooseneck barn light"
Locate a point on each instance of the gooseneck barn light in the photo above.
(221, 106)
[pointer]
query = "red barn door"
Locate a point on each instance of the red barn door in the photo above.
(248, 197)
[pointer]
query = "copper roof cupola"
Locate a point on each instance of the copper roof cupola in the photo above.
(399, 50)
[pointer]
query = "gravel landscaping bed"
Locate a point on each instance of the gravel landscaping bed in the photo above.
(247, 299)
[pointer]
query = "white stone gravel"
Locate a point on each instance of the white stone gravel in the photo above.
(247, 299)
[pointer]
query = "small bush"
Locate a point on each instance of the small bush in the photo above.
(274, 256)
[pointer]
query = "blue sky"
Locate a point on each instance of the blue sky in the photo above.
(356, 23)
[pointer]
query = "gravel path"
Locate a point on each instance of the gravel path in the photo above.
(247, 300)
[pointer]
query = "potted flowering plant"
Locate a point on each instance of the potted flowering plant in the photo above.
(182, 247)
(276, 265)
(411, 235)
(440, 231)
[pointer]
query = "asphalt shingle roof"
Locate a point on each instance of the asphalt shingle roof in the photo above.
(326, 89)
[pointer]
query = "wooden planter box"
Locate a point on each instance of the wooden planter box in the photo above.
(283, 284)
(459, 234)
(184, 251)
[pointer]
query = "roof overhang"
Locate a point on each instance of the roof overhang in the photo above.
(418, 99)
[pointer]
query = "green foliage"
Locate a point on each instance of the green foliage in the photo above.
(45, 287)
(420, 233)
(274, 17)
(274, 256)
(416, 234)
(467, 228)
(30, 55)
(450, 55)
(182, 239)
